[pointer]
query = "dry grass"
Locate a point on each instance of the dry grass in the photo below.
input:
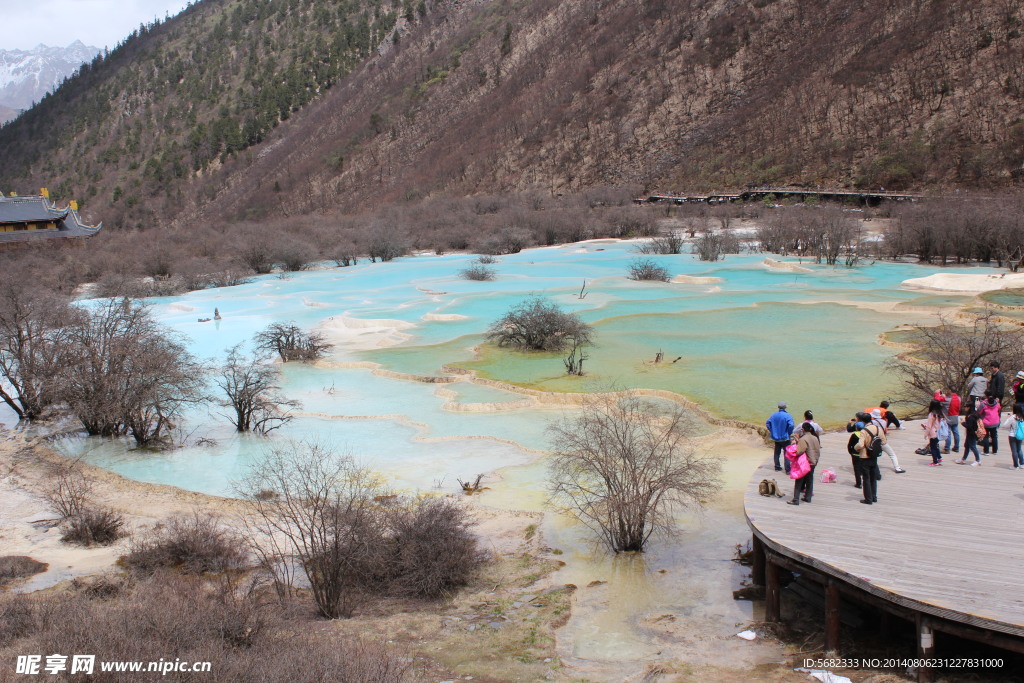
(167, 616)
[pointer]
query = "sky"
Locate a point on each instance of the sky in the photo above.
(58, 23)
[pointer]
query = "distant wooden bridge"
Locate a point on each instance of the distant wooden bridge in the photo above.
(802, 194)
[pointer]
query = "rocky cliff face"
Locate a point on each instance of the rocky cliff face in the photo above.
(27, 75)
(304, 106)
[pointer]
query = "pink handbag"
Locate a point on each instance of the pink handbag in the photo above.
(801, 466)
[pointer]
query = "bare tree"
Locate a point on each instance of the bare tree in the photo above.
(250, 385)
(712, 246)
(34, 346)
(537, 324)
(319, 507)
(128, 375)
(624, 471)
(290, 342)
(945, 355)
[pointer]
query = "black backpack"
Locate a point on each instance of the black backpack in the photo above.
(875, 445)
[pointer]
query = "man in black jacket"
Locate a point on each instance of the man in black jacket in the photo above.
(997, 385)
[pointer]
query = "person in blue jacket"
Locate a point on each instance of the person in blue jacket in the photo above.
(780, 428)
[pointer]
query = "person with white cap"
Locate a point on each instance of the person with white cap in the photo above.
(780, 426)
(977, 385)
(876, 419)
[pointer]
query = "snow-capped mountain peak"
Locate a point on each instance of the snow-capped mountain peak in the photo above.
(27, 75)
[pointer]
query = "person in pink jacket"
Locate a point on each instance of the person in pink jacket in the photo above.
(931, 431)
(990, 410)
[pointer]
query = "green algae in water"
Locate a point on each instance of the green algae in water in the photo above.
(1004, 297)
(738, 362)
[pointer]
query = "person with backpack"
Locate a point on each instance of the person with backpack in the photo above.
(780, 429)
(868, 447)
(990, 411)
(972, 426)
(809, 445)
(876, 419)
(931, 431)
(1014, 425)
(977, 385)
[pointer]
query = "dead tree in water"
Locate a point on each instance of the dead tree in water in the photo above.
(574, 361)
(250, 386)
(468, 488)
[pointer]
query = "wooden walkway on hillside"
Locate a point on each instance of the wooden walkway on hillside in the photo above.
(759, 194)
(943, 547)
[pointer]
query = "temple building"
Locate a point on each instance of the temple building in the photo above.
(36, 217)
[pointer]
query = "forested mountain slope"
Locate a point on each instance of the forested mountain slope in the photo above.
(255, 109)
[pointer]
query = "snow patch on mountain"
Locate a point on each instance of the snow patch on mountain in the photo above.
(27, 75)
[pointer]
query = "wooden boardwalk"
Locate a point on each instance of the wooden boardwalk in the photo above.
(759, 194)
(944, 543)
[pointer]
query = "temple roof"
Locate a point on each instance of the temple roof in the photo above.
(29, 210)
(39, 210)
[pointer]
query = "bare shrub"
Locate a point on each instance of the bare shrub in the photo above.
(631, 221)
(486, 259)
(477, 272)
(69, 492)
(168, 617)
(294, 255)
(195, 545)
(321, 518)
(257, 254)
(19, 567)
(229, 277)
(83, 522)
(712, 245)
(646, 269)
(537, 324)
(94, 526)
(507, 241)
(624, 471)
(433, 548)
(385, 243)
(290, 342)
(777, 236)
(662, 244)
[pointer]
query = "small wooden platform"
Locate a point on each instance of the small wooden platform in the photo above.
(942, 542)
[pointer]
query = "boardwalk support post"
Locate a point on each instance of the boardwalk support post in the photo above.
(832, 601)
(757, 570)
(925, 647)
(772, 604)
